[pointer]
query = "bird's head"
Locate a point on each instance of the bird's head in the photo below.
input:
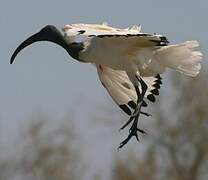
(52, 34)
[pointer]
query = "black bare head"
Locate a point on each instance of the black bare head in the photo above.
(48, 33)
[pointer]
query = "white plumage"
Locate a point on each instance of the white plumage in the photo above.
(117, 47)
(128, 61)
(181, 57)
(122, 90)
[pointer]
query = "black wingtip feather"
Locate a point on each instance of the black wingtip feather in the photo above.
(125, 108)
(157, 86)
(132, 104)
(158, 77)
(158, 81)
(151, 97)
(144, 104)
(155, 91)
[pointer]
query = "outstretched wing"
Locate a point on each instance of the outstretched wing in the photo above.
(108, 35)
(131, 40)
(122, 90)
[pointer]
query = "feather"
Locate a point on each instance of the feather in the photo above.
(96, 29)
(122, 90)
(181, 57)
(120, 48)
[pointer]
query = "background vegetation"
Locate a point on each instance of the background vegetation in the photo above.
(176, 150)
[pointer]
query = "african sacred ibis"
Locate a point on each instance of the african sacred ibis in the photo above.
(128, 61)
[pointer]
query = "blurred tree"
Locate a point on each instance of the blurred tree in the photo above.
(133, 168)
(177, 151)
(44, 152)
(180, 149)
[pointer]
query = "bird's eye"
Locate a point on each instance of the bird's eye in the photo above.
(81, 31)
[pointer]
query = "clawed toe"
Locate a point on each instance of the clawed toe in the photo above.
(131, 134)
(133, 117)
(127, 123)
(141, 131)
(133, 131)
(146, 114)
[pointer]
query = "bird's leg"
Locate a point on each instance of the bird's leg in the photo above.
(134, 129)
(140, 97)
(132, 117)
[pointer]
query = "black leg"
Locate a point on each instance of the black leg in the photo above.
(133, 130)
(143, 85)
(132, 118)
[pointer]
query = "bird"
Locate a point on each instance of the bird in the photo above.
(129, 62)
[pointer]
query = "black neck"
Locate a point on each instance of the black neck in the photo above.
(74, 48)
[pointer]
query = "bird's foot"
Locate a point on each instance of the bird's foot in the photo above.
(136, 113)
(133, 131)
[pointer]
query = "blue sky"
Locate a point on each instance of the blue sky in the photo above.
(44, 78)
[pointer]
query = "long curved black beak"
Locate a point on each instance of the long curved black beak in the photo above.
(48, 33)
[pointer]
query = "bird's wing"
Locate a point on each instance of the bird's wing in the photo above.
(109, 35)
(130, 42)
(97, 29)
(122, 90)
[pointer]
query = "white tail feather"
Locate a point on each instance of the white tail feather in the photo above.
(181, 57)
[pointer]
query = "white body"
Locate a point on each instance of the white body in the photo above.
(120, 54)
(133, 53)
